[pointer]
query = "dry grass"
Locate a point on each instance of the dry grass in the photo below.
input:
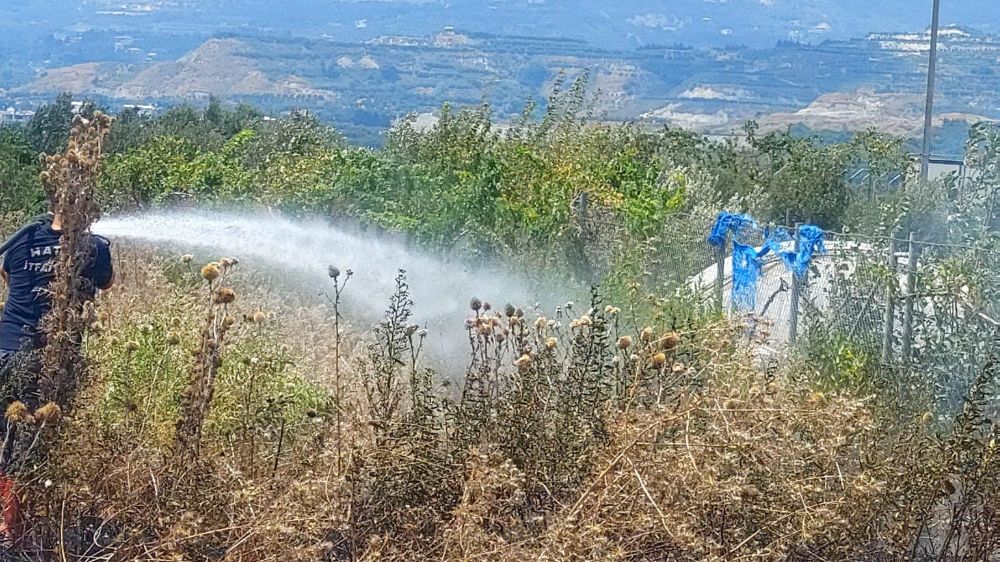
(575, 437)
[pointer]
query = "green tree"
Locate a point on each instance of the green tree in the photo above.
(19, 169)
(48, 131)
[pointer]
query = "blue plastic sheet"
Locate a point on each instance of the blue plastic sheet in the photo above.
(728, 223)
(810, 243)
(747, 265)
(748, 261)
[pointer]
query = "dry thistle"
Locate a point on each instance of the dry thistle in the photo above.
(476, 304)
(659, 360)
(211, 272)
(523, 361)
(71, 190)
(225, 295)
(540, 323)
(551, 343)
(669, 342)
(49, 413)
(17, 412)
(624, 342)
(646, 335)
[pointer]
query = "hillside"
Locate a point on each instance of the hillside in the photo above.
(363, 87)
(896, 114)
(77, 78)
(219, 67)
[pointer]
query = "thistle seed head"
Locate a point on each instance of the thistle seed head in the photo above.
(225, 295)
(48, 413)
(17, 412)
(646, 335)
(211, 272)
(659, 360)
(670, 341)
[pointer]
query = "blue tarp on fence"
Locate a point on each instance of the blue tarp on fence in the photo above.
(748, 261)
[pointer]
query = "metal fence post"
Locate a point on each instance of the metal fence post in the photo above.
(720, 274)
(911, 288)
(793, 312)
(584, 268)
(890, 309)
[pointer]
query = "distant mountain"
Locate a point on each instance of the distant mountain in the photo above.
(705, 64)
(225, 68)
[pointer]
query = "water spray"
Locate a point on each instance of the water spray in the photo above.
(304, 249)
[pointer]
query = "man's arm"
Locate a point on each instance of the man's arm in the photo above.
(103, 274)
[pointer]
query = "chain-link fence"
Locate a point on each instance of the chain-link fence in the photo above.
(910, 312)
(910, 308)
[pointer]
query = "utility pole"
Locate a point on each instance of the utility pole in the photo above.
(925, 156)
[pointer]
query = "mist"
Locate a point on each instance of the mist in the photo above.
(303, 249)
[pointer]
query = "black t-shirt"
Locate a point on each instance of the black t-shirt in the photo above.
(30, 265)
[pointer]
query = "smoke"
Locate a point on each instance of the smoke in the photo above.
(302, 250)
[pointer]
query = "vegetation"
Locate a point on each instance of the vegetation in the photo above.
(224, 418)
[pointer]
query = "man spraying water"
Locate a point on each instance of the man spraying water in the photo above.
(28, 268)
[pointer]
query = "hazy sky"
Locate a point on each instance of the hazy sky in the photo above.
(609, 23)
